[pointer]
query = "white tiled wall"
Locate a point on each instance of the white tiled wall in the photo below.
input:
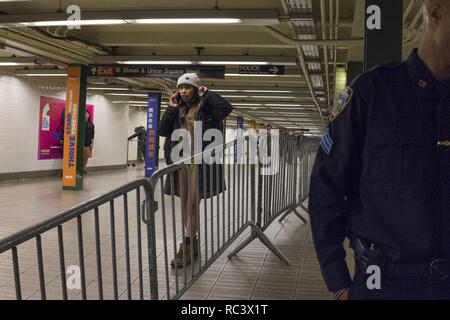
(19, 120)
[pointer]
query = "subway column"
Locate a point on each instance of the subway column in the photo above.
(384, 29)
(74, 127)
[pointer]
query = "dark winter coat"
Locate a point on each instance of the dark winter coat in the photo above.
(212, 110)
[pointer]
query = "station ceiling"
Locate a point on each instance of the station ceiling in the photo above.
(288, 32)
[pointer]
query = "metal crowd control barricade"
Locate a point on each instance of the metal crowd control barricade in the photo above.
(99, 242)
(82, 253)
(306, 154)
(222, 218)
(255, 193)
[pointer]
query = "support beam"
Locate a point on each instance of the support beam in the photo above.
(384, 27)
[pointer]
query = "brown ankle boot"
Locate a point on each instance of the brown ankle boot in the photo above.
(186, 249)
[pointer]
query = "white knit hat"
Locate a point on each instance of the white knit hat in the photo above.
(189, 78)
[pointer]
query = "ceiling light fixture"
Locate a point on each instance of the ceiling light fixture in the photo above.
(155, 62)
(42, 73)
(71, 23)
(17, 61)
(187, 21)
(126, 94)
(108, 88)
(263, 17)
(234, 62)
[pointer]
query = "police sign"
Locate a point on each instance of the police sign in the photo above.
(261, 69)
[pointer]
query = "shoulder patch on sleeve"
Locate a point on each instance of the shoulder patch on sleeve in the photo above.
(341, 103)
(326, 142)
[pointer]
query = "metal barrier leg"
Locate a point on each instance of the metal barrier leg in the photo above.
(246, 242)
(294, 210)
(258, 233)
(263, 238)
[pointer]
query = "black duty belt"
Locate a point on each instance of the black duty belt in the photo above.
(438, 269)
(367, 253)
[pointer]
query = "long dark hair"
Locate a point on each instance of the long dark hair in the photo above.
(89, 118)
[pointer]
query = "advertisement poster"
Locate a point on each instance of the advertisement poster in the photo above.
(51, 127)
(151, 157)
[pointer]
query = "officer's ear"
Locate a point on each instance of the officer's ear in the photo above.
(435, 14)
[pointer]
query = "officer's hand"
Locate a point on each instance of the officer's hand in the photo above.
(202, 90)
(174, 100)
(344, 295)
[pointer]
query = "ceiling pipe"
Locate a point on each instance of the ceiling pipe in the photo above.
(331, 27)
(298, 42)
(336, 29)
(412, 30)
(68, 47)
(39, 48)
(416, 38)
(408, 10)
(325, 48)
(301, 58)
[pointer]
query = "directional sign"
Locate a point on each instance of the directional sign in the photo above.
(150, 71)
(261, 69)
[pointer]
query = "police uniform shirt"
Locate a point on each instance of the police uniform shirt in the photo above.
(382, 171)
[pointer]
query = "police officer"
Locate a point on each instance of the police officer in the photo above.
(382, 176)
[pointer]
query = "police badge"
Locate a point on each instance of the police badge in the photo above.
(341, 103)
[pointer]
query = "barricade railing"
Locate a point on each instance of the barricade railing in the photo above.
(306, 154)
(87, 237)
(244, 188)
(253, 195)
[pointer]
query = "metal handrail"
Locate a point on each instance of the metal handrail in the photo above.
(37, 229)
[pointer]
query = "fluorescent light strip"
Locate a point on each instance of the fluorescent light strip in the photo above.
(127, 94)
(253, 91)
(111, 88)
(71, 23)
(187, 21)
(272, 97)
(9, 64)
(43, 75)
(249, 75)
(156, 62)
(285, 105)
(235, 62)
(262, 75)
(260, 97)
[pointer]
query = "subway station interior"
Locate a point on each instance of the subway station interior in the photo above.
(281, 64)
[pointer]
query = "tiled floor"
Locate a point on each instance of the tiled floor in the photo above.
(255, 273)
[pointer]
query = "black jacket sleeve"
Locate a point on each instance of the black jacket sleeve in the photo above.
(133, 136)
(168, 119)
(334, 179)
(218, 106)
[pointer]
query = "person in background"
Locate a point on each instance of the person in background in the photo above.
(141, 133)
(88, 139)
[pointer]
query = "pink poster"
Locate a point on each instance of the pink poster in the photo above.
(51, 127)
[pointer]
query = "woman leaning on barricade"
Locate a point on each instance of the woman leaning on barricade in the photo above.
(192, 102)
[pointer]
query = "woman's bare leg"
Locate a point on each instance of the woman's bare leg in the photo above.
(86, 156)
(190, 204)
